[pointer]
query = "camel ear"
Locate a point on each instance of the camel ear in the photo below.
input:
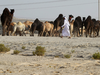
(12, 10)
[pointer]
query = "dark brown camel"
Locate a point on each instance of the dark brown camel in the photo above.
(6, 19)
(59, 21)
(37, 25)
(88, 26)
(77, 26)
(96, 27)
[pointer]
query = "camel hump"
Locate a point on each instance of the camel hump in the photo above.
(26, 22)
(46, 22)
(14, 23)
(19, 23)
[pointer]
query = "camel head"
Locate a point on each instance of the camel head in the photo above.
(12, 11)
(70, 17)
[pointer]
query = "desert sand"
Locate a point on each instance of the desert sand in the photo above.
(53, 62)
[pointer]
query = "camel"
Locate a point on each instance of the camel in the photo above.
(37, 25)
(71, 24)
(59, 21)
(27, 26)
(19, 28)
(71, 27)
(48, 28)
(6, 19)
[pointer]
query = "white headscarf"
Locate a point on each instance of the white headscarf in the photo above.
(66, 21)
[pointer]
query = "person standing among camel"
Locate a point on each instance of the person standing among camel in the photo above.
(65, 31)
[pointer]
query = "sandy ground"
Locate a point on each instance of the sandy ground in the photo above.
(53, 62)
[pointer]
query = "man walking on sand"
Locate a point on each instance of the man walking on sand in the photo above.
(65, 31)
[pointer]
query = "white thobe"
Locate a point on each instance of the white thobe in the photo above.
(65, 31)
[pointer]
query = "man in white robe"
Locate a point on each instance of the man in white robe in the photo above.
(65, 31)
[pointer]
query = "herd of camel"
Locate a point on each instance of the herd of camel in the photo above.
(78, 27)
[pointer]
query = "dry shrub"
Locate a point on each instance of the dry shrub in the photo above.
(96, 55)
(3, 48)
(40, 51)
(67, 55)
(16, 51)
(23, 47)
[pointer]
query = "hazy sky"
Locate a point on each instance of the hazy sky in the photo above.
(50, 9)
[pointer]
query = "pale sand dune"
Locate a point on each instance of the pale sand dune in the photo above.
(80, 63)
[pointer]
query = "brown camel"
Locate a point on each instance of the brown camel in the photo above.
(71, 27)
(6, 19)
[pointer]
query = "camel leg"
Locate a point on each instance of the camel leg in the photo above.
(56, 32)
(70, 32)
(24, 33)
(8, 31)
(95, 32)
(33, 31)
(82, 32)
(50, 33)
(20, 34)
(91, 32)
(53, 32)
(13, 33)
(39, 33)
(98, 32)
(46, 34)
(87, 32)
(74, 31)
(42, 33)
(3, 30)
(79, 32)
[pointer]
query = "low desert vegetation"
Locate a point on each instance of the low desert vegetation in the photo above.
(72, 51)
(67, 55)
(96, 55)
(23, 47)
(56, 56)
(3, 48)
(40, 51)
(16, 52)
